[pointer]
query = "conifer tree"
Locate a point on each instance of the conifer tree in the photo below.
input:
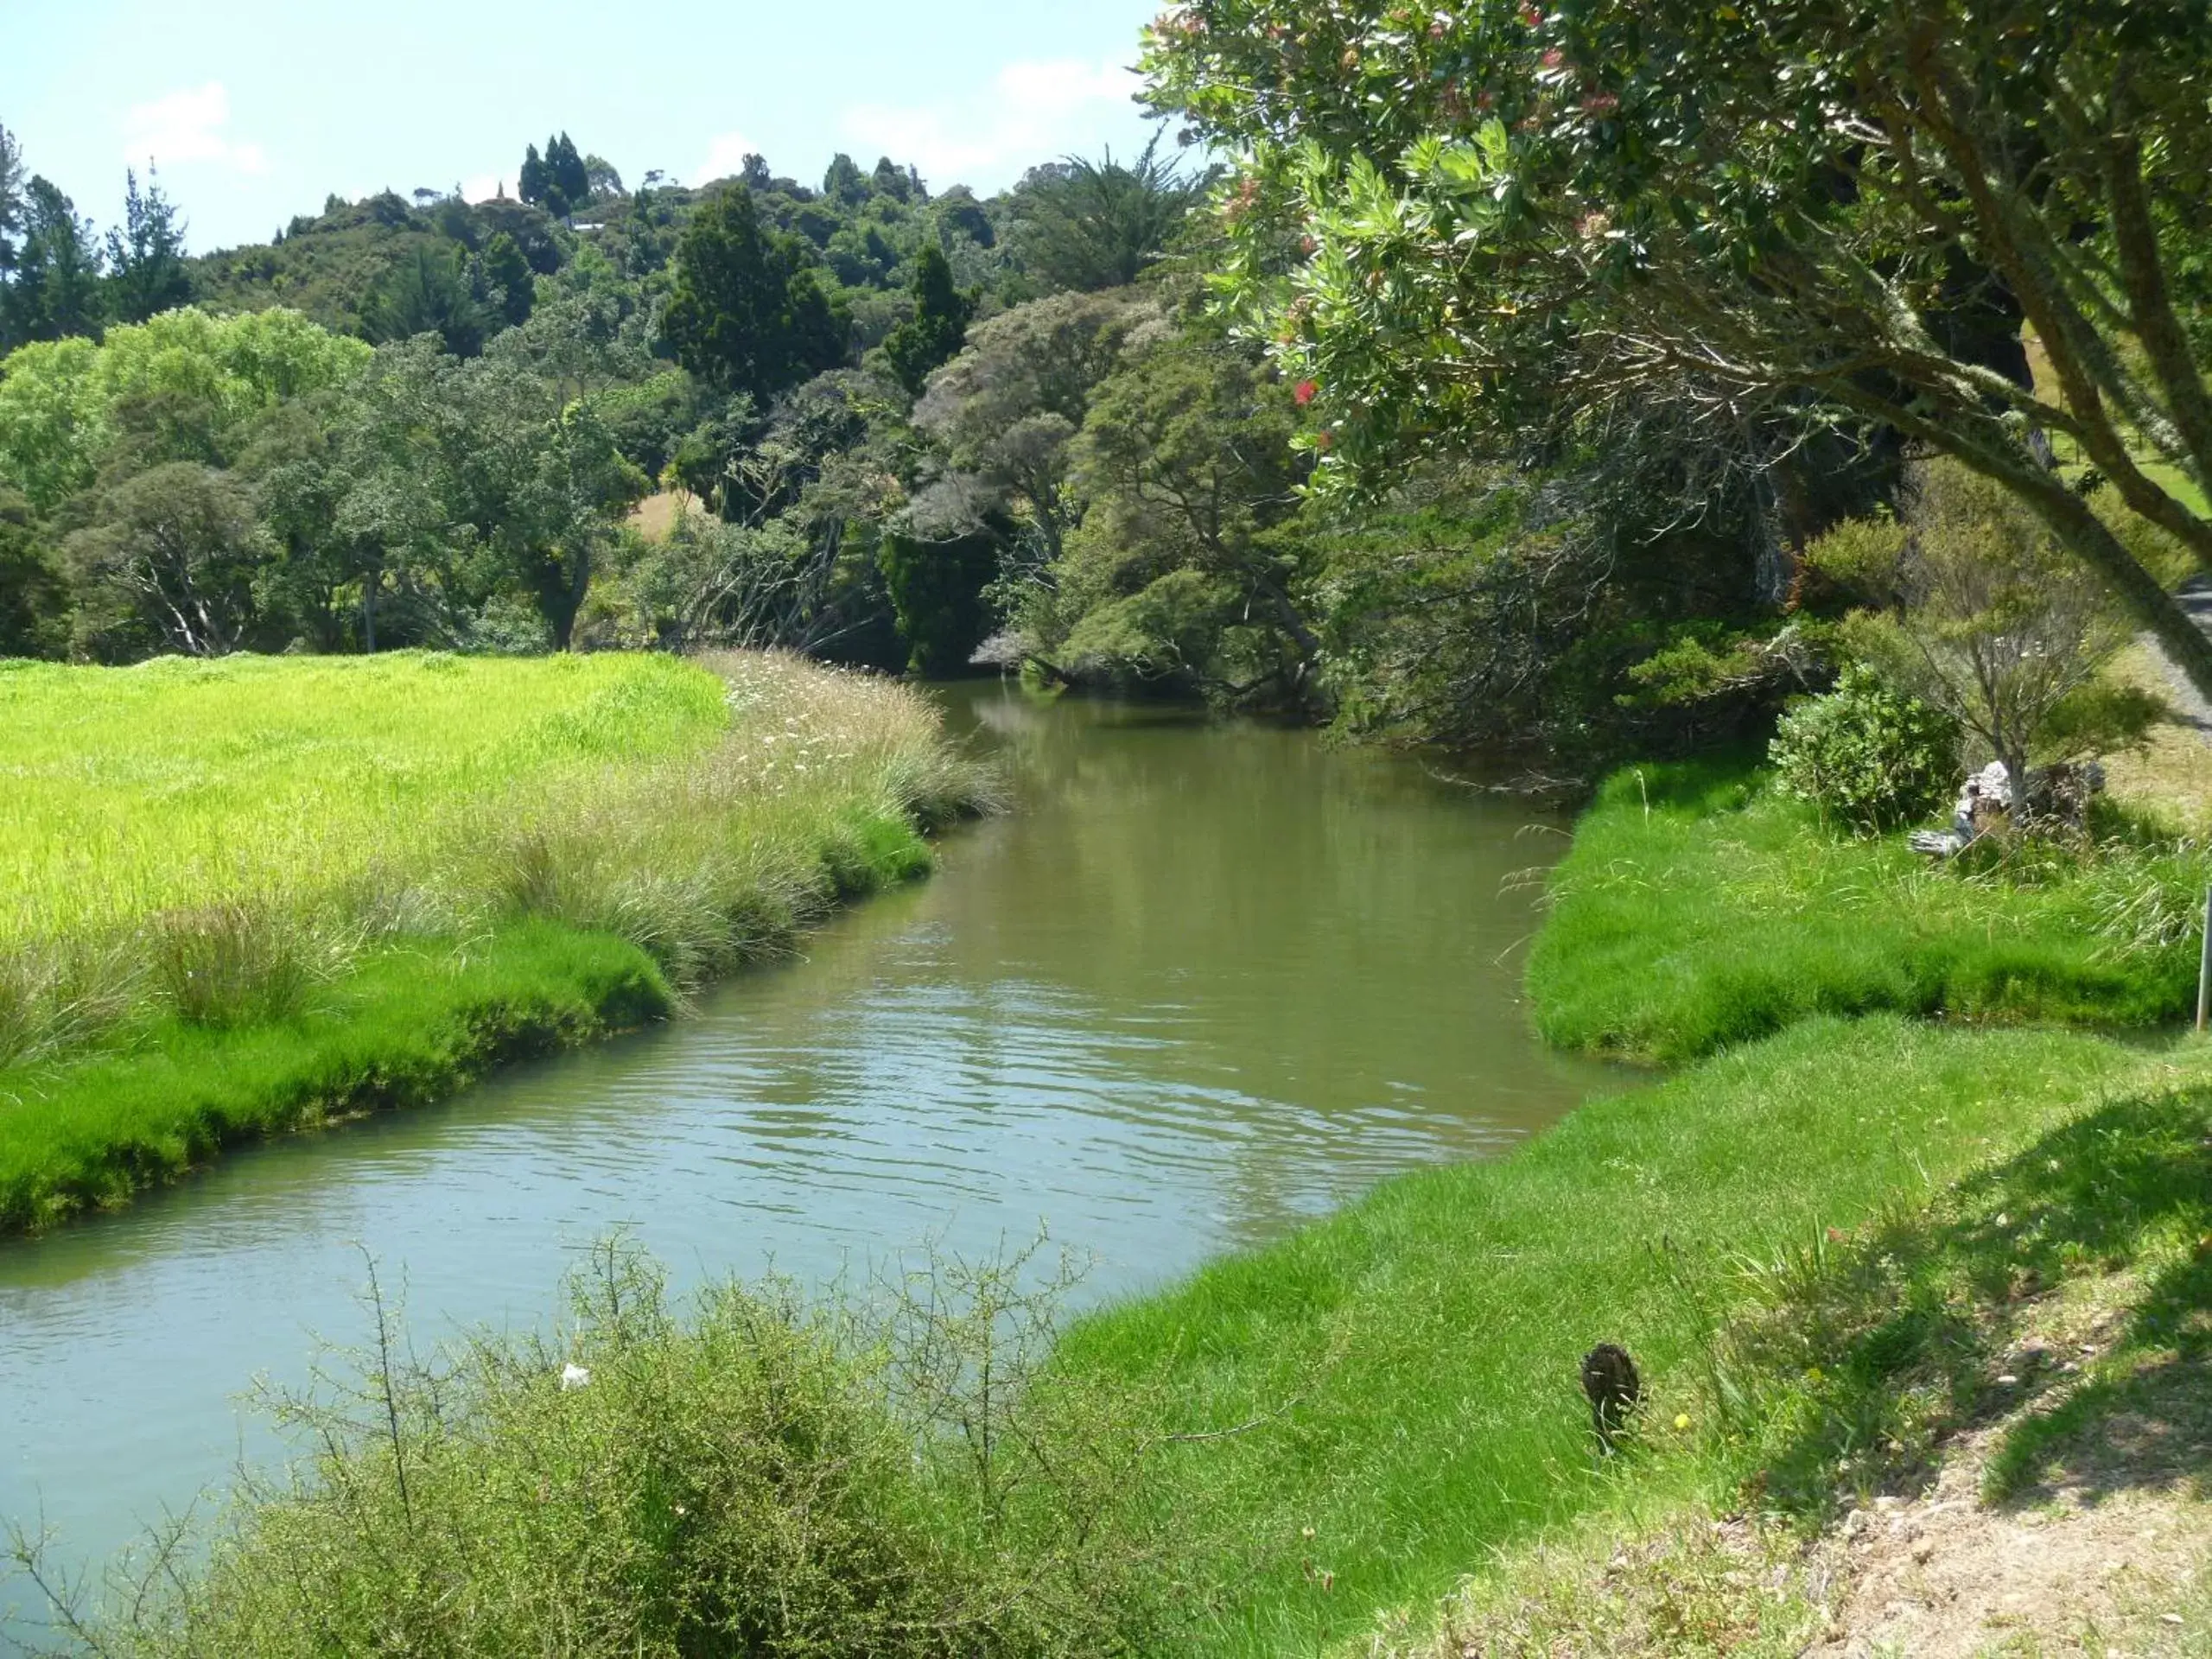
(934, 334)
(145, 257)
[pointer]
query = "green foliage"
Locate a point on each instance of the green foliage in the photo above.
(61, 403)
(1091, 225)
(745, 311)
(170, 553)
(932, 336)
(56, 288)
(509, 275)
(429, 294)
(32, 597)
(1517, 217)
(1700, 908)
(145, 255)
(11, 199)
(1986, 616)
(1185, 463)
(937, 593)
(559, 181)
(1875, 759)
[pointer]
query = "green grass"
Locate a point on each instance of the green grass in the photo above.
(219, 874)
(1411, 1362)
(134, 791)
(1296, 1447)
(1699, 909)
(407, 1026)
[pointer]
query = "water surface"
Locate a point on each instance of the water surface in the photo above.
(1207, 980)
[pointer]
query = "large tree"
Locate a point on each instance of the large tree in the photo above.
(11, 198)
(1780, 212)
(56, 290)
(747, 312)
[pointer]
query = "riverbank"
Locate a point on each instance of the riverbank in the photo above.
(1700, 908)
(1828, 1249)
(263, 894)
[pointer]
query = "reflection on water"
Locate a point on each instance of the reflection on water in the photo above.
(1206, 981)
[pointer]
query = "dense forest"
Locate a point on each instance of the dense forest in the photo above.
(1469, 426)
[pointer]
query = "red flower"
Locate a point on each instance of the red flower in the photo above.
(1307, 390)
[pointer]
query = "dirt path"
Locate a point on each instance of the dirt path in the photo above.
(2105, 1548)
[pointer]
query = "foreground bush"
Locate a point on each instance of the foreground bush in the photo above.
(1700, 908)
(751, 1474)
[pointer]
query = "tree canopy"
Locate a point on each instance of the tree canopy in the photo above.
(1779, 212)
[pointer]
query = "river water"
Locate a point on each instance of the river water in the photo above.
(1208, 980)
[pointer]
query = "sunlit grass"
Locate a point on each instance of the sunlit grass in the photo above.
(221, 848)
(1699, 909)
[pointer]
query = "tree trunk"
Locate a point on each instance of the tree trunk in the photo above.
(2084, 535)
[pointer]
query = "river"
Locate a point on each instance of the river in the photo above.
(1207, 980)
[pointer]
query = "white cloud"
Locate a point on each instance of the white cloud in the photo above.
(1036, 111)
(485, 186)
(188, 126)
(726, 154)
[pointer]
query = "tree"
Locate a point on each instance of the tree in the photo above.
(844, 184)
(568, 177)
(1186, 462)
(937, 591)
(56, 291)
(532, 182)
(429, 294)
(508, 273)
(32, 594)
(1099, 225)
(1007, 408)
(1785, 210)
(145, 257)
(601, 178)
(11, 199)
(1982, 615)
(744, 312)
(932, 336)
(179, 545)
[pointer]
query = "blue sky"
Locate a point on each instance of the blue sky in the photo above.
(255, 110)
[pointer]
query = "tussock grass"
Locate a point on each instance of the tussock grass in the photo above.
(1698, 909)
(198, 849)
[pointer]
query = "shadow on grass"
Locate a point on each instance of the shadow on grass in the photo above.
(1866, 1354)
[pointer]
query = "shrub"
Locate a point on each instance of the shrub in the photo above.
(759, 1474)
(1873, 757)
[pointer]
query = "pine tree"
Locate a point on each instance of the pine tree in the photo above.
(530, 184)
(745, 313)
(145, 259)
(571, 179)
(11, 199)
(934, 334)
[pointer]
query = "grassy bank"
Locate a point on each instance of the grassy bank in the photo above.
(1698, 908)
(254, 894)
(1296, 1448)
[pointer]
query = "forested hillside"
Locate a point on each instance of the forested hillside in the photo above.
(1390, 427)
